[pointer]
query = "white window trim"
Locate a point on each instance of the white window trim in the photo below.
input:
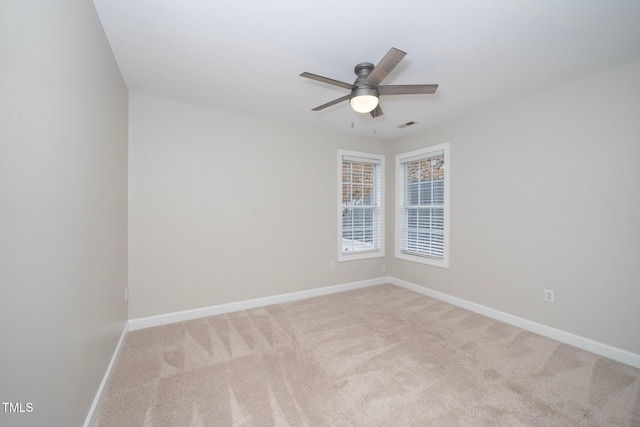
(360, 156)
(401, 158)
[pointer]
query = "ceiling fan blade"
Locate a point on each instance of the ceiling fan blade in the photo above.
(376, 112)
(406, 89)
(334, 102)
(327, 80)
(384, 67)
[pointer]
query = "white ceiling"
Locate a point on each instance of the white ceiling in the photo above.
(246, 55)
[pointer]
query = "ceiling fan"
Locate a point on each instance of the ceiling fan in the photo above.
(366, 89)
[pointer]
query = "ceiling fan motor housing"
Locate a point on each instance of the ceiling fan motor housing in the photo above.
(363, 70)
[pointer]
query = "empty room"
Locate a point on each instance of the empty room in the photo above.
(420, 213)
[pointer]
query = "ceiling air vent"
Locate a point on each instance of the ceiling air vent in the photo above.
(404, 125)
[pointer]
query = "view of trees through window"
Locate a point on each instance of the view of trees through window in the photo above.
(424, 207)
(359, 206)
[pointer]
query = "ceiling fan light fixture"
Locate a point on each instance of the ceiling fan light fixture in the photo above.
(364, 99)
(366, 90)
(364, 103)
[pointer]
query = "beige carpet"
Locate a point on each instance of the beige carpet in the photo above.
(379, 356)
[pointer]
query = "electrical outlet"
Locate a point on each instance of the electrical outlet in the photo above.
(382, 268)
(332, 265)
(549, 295)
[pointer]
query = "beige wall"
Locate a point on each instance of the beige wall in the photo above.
(63, 209)
(546, 194)
(225, 207)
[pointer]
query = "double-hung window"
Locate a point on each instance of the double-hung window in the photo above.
(422, 205)
(360, 205)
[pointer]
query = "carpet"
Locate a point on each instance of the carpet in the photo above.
(377, 356)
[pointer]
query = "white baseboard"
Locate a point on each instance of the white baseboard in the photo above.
(587, 344)
(164, 319)
(88, 421)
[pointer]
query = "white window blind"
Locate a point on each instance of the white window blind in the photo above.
(422, 221)
(360, 207)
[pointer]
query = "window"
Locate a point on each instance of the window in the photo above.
(422, 205)
(360, 205)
